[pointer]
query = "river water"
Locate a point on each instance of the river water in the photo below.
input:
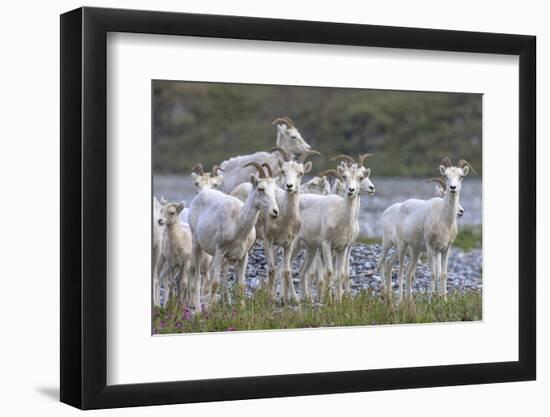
(388, 191)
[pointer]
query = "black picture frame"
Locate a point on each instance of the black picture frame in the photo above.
(84, 207)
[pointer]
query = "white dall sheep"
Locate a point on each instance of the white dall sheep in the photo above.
(316, 185)
(203, 180)
(389, 238)
(281, 231)
(288, 138)
(224, 227)
(176, 250)
(329, 224)
(425, 226)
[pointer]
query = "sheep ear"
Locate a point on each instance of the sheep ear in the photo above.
(163, 201)
(307, 166)
(442, 169)
(367, 173)
(340, 169)
(180, 207)
(194, 176)
(280, 163)
(465, 170)
(254, 180)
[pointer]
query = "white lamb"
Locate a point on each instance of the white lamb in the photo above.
(176, 251)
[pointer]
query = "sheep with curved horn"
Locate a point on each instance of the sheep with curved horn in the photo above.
(224, 227)
(280, 231)
(418, 226)
(330, 226)
(288, 138)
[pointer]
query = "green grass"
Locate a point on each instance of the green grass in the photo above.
(468, 238)
(369, 240)
(364, 309)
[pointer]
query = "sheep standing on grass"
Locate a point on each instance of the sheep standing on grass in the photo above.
(288, 138)
(224, 227)
(281, 231)
(329, 224)
(424, 226)
(388, 227)
(176, 251)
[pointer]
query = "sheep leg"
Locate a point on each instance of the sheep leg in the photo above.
(444, 262)
(270, 264)
(309, 256)
(381, 264)
(347, 272)
(240, 270)
(215, 270)
(318, 278)
(339, 274)
(326, 256)
(287, 272)
(401, 250)
(157, 254)
(432, 259)
(386, 278)
(410, 272)
(442, 290)
(226, 296)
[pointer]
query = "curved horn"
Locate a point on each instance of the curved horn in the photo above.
(440, 181)
(283, 152)
(215, 169)
(307, 154)
(198, 169)
(289, 120)
(268, 169)
(446, 162)
(284, 120)
(462, 163)
(332, 172)
(256, 165)
(363, 157)
(345, 157)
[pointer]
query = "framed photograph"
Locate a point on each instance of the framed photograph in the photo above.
(257, 208)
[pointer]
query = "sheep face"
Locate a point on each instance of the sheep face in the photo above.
(291, 174)
(264, 195)
(290, 139)
(453, 177)
(440, 192)
(352, 178)
(206, 180)
(366, 183)
(317, 185)
(170, 213)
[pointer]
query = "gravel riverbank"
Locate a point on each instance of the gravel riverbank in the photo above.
(464, 270)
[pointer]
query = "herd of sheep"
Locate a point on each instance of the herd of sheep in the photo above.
(260, 197)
